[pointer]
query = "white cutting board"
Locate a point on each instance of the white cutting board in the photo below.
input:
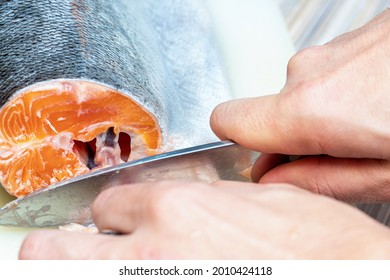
(255, 47)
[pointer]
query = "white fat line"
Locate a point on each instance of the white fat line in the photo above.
(51, 126)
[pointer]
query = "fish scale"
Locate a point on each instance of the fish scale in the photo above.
(81, 40)
(161, 54)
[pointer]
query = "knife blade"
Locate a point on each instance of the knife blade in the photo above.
(70, 201)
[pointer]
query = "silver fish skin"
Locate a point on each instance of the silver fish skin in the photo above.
(160, 53)
(193, 64)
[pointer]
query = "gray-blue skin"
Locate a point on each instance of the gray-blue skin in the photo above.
(161, 53)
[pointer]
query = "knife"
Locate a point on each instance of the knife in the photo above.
(70, 201)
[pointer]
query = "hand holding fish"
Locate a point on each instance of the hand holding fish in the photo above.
(333, 111)
(226, 220)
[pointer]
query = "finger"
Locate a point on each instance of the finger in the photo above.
(125, 208)
(120, 208)
(268, 125)
(265, 163)
(352, 180)
(55, 244)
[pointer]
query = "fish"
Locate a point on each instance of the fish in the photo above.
(86, 84)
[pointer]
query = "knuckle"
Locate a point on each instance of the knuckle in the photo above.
(305, 57)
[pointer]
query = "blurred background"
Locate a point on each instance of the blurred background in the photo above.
(314, 22)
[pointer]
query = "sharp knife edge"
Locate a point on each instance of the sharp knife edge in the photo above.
(70, 201)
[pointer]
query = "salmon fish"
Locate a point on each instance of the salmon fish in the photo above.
(86, 84)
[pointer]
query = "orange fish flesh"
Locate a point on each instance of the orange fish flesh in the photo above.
(58, 130)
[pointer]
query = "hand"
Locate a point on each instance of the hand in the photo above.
(227, 220)
(334, 109)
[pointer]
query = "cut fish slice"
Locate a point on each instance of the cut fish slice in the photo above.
(41, 125)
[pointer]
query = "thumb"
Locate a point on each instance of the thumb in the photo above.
(267, 125)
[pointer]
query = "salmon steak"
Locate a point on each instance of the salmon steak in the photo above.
(86, 84)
